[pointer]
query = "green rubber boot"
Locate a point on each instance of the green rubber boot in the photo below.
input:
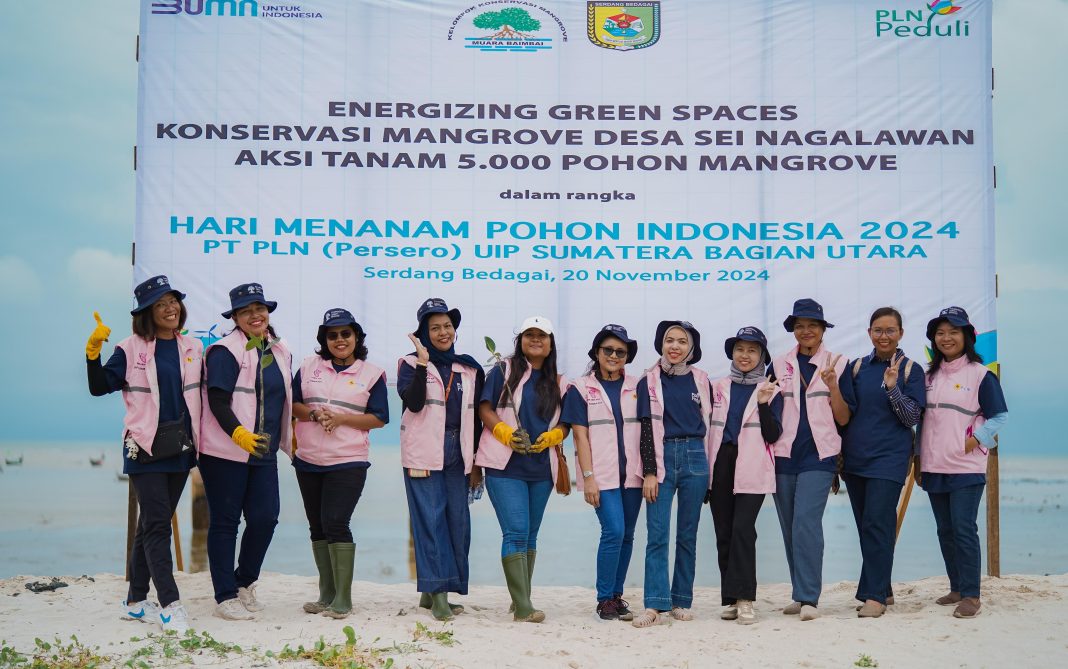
(516, 576)
(425, 602)
(531, 555)
(326, 578)
(342, 558)
(439, 606)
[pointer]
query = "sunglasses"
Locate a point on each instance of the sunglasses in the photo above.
(610, 352)
(343, 334)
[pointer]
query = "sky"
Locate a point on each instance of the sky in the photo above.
(69, 114)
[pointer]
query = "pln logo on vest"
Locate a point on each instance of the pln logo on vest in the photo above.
(623, 26)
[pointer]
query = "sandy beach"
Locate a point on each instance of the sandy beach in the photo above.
(1021, 625)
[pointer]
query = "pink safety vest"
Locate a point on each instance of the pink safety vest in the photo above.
(656, 410)
(754, 471)
(817, 400)
(214, 441)
(951, 416)
(422, 432)
(347, 391)
(141, 394)
(604, 444)
(494, 454)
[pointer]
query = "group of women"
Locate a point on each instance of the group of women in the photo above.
(786, 426)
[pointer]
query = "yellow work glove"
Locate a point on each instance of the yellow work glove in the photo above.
(503, 432)
(96, 340)
(253, 444)
(553, 437)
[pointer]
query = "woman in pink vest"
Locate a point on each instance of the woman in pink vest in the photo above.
(602, 409)
(965, 411)
(674, 406)
(439, 431)
(525, 392)
(806, 455)
(158, 371)
(248, 421)
(338, 398)
(746, 421)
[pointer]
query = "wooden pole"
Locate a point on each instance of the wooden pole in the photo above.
(906, 494)
(177, 542)
(993, 508)
(131, 523)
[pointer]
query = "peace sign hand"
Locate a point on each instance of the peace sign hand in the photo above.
(891, 373)
(829, 376)
(421, 353)
(766, 390)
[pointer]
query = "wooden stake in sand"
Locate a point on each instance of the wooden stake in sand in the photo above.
(906, 494)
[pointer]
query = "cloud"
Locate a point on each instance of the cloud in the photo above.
(1031, 277)
(100, 274)
(19, 283)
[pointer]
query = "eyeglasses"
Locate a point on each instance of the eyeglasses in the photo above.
(344, 334)
(614, 352)
(888, 332)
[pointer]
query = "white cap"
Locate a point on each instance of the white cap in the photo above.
(537, 323)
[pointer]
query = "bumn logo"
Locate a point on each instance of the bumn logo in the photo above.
(207, 7)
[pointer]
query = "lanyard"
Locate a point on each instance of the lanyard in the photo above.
(448, 386)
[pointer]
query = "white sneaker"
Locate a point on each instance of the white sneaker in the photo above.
(746, 615)
(729, 613)
(233, 609)
(173, 617)
(809, 612)
(248, 598)
(145, 611)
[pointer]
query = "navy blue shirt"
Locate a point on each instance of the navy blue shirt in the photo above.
(876, 444)
(377, 405)
(681, 402)
(171, 403)
(804, 457)
(740, 395)
(576, 412)
(991, 403)
(223, 369)
(533, 467)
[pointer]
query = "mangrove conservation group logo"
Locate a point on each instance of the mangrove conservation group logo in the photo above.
(931, 21)
(508, 29)
(623, 26)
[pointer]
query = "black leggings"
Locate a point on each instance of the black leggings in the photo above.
(734, 517)
(329, 500)
(158, 494)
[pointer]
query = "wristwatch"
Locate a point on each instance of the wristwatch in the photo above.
(587, 474)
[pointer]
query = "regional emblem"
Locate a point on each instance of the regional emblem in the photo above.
(623, 26)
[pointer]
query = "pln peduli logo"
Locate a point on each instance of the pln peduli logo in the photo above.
(932, 21)
(509, 29)
(207, 7)
(623, 26)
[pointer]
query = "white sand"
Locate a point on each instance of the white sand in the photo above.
(1022, 625)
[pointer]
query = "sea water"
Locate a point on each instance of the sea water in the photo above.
(62, 516)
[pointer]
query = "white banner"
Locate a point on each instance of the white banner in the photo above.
(592, 162)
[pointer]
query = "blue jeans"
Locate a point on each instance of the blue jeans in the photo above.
(685, 474)
(618, 514)
(235, 489)
(874, 503)
(441, 523)
(800, 500)
(520, 506)
(958, 535)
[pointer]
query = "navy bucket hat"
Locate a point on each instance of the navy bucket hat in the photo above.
(748, 333)
(436, 305)
(337, 317)
(620, 333)
(806, 308)
(955, 316)
(246, 294)
(664, 326)
(150, 291)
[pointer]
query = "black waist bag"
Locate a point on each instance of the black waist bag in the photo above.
(171, 441)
